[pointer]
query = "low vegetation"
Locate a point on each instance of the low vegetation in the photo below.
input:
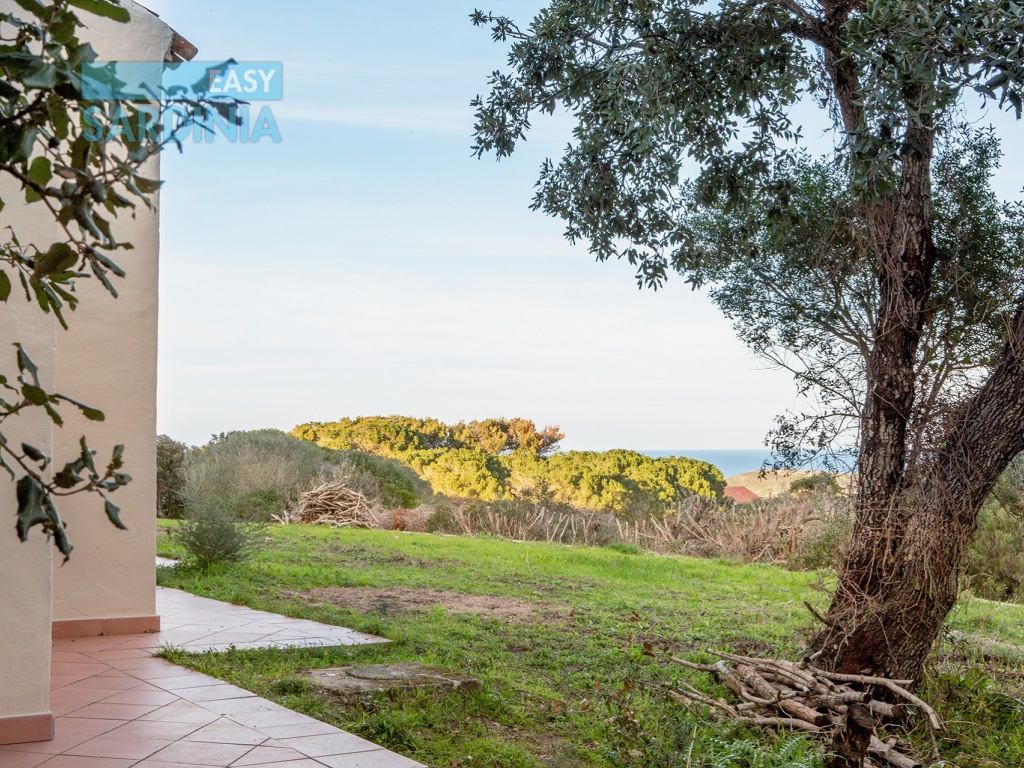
(260, 476)
(573, 645)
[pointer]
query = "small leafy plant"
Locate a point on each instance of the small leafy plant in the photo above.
(213, 534)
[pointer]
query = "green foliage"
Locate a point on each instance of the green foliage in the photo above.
(825, 548)
(508, 458)
(170, 477)
(795, 752)
(213, 534)
(397, 434)
(1009, 491)
(995, 558)
(397, 485)
(81, 185)
(461, 472)
(618, 481)
(821, 483)
(627, 72)
(253, 475)
(994, 566)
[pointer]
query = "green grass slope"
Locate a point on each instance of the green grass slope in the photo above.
(560, 637)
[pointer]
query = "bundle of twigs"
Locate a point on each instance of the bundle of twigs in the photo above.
(774, 693)
(338, 506)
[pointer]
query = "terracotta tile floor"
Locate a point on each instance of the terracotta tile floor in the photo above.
(119, 707)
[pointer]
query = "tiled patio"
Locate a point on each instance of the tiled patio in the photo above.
(119, 707)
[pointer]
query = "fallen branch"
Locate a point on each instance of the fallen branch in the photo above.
(775, 693)
(338, 506)
(896, 686)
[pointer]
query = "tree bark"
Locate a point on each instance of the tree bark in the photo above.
(852, 742)
(900, 579)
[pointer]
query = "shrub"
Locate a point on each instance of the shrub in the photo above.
(1009, 491)
(396, 485)
(995, 558)
(170, 477)
(214, 534)
(251, 474)
(821, 483)
(462, 473)
(510, 458)
(826, 544)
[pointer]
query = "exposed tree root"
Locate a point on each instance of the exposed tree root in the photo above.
(842, 708)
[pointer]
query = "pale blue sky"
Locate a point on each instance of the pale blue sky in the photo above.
(368, 264)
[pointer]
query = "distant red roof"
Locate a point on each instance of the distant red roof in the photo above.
(740, 494)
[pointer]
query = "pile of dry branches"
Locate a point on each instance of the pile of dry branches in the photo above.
(336, 505)
(776, 693)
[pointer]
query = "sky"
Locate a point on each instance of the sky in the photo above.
(368, 264)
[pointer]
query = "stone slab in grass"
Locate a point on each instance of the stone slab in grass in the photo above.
(386, 677)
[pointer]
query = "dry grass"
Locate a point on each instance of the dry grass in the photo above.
(776, 531)
(798, 532)
(522, 522)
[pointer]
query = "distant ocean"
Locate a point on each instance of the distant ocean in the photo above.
(736, 462)
(731, 462)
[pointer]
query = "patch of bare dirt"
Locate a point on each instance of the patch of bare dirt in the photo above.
(396, 600)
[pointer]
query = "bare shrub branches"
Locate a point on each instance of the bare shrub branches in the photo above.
(773, 531)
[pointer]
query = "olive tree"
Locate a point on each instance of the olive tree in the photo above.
(658, 87)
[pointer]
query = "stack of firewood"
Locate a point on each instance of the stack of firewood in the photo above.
(338, 506)
(773, 693)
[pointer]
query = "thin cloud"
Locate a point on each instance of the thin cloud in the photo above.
(448, 121)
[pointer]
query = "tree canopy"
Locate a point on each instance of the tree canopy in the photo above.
(402, 433)
(887, 276)
(510, 458)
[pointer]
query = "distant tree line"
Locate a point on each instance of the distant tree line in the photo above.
(403, 433)
(510, 458)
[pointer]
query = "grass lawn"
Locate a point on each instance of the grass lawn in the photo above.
(557, 634)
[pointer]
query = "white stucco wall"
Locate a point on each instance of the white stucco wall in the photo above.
(108, 359)
(25, 597)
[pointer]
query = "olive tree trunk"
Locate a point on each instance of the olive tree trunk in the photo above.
(899, 580)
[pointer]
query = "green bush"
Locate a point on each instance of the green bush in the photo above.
(501, 459)
(461, 473)
(995, 557)
(822, 483)
(251, 474)
(214, 534)
(824, 548)
(398, 486)
(170, 477)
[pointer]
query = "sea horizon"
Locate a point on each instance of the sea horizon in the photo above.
(731, 461)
